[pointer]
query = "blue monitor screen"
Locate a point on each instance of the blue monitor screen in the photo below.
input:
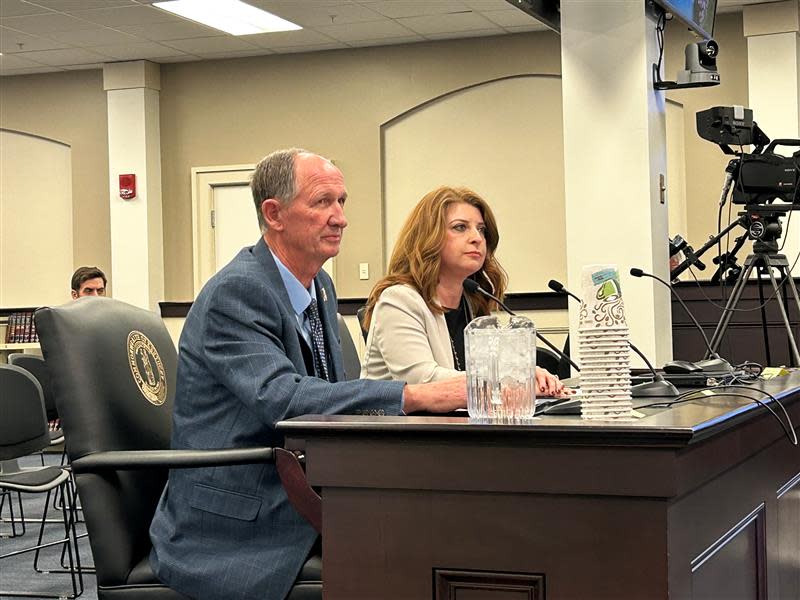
(697, 14)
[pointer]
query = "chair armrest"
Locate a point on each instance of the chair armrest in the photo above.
(170, 459)
(301, 495)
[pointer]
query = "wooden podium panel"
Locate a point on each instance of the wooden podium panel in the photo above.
(700, 501)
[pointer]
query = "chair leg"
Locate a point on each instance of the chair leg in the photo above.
(70, 541)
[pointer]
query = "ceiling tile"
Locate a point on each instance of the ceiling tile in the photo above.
(461, 22)
(178, 30)
(509, 18)
(83, 67)
(387, 41)
(42, 24)
(15, 61)
(315, 14)
(177, 59)
(68, 56)
(71, 5)
(485, 5)
(16, 8)
(312, 48)
(11, 39)
(415, 8)
(207, 45)
(458, 35)
(97, 36)
(365, 31)
(524, 28)
(136, 51)
(240, 54)
(135, 15)
(28, 71)
(299, 37)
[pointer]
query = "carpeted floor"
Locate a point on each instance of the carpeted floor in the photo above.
(16, 572)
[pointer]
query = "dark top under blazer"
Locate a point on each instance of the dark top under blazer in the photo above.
(243, 366)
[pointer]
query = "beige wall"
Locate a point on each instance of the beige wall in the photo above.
(235, 111)
(330, 102)
(46, 203)
(70, 107)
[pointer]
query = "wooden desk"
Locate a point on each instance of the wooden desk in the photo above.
(701, 501)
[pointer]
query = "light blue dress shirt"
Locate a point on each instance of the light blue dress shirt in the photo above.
(299, 296)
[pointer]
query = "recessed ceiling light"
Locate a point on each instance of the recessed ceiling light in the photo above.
(231, 16)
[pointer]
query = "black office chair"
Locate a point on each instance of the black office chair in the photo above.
(24, 430)
(36, 366)
(360, 316)
(352, 364)
(547, 359)
(564, 368)
(113, 372)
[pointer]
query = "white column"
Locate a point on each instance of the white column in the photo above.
(614, 153)
(773, 72)
(134, 147)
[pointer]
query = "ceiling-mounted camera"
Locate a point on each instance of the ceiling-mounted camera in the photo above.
(700, 69)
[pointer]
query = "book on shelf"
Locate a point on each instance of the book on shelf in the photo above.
(20, 328)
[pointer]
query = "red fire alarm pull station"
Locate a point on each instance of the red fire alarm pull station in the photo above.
(127, 186)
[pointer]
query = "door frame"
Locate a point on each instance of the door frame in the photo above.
(204, 180)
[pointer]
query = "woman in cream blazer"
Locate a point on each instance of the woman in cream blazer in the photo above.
(449, 236)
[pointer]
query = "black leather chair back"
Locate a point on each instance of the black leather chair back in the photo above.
(112, 367)
(352, 364)
(547, 359)
(360, 314)
(23, 425)
(36, 366)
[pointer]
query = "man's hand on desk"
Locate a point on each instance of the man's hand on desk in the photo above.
(436, 397)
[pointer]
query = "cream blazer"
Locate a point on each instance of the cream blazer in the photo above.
(406, 341)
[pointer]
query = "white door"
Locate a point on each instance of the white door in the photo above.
(224, 218)
(235, 222)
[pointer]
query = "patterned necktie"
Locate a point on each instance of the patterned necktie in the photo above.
(317, 340)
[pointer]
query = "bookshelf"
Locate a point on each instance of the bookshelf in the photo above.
(22, 319)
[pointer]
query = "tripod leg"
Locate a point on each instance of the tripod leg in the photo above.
(785, 293)
(764, 330)
(793, 289)
(795, 353)
(730, 306)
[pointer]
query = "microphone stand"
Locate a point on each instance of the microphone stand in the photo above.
(472, 286)
(659, 387)
(715, 364)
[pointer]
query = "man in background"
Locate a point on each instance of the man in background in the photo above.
(260, 345)
(88, 281)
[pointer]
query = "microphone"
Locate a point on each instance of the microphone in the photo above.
(472, 286)
(658, 387)
(715, 363)
(559, 288)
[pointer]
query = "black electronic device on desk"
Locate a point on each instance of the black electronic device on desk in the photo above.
(559, 406)
(570, 405)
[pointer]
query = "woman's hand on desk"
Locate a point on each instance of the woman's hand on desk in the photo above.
(548, 384)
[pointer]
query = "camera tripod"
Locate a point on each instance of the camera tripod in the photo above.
(764, 228)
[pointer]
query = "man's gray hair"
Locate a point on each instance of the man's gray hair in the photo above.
(274, 177)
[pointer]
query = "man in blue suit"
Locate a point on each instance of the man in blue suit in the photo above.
(260, 345)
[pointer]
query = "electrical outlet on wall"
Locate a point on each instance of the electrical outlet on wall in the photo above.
(363, 270)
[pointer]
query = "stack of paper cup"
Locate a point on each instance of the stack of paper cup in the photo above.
(603, 347)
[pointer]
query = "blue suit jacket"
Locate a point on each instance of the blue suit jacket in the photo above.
(243, 365)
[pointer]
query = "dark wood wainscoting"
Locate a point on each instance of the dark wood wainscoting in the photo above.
(744, 340)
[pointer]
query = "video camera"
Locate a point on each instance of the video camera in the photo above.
(759, 177)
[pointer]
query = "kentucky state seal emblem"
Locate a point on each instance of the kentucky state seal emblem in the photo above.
(147, 368)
